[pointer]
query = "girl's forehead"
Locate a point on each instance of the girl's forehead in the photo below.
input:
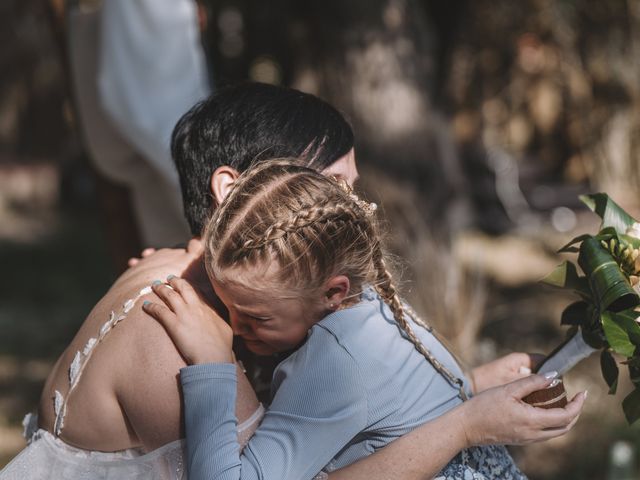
(259, 299)
(239, 294)
(249, 282)
(255, 275)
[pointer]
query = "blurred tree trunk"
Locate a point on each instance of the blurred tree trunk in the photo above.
(376, 60)
(380, 62)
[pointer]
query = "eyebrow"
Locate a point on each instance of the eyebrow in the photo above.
(250, 311)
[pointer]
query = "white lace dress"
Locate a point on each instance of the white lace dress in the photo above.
(47, 457)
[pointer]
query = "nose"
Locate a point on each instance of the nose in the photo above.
(237, 325)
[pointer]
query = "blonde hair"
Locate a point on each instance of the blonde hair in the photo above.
(313, 227)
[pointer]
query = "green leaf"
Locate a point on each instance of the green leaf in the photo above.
(633, 362)
(629, 319)
(594, 338)
(634, 372)
(575, 314)
(620, 330)
(631, 406)
(610, 212)
(565, 275)
(609, 285)
(609, 371)
(607, 233)
(569, 247)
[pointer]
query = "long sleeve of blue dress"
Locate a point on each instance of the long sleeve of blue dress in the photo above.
(311, 418)
(355, 385)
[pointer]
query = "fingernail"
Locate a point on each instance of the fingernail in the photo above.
(155, 283)
(586, 393)
(524, 370)
(170, 277)
(145, 303)
(550, 375)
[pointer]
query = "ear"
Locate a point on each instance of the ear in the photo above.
(336, 290)
(221, 182)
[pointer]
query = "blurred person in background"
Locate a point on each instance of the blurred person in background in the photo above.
(111, 406)
(136, 67)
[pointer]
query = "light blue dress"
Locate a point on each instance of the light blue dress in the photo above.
(355, 385)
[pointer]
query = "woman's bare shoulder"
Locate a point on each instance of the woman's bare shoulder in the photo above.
(147, 380)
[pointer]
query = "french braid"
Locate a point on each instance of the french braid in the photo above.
(337, 214)
(315, 228)
(387, 291)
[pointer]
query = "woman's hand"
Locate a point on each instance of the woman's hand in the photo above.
(197, 330)
(504, 370)
(499, 416)
(152, 258)
(133, 261)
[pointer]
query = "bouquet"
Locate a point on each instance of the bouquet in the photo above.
(606, 318)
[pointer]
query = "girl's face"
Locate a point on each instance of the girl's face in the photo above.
(267, 324)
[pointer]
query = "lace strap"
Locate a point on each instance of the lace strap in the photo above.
(81, 359)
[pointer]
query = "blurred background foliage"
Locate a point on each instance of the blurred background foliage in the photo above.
(477, 124)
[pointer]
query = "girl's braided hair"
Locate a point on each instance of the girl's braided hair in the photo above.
(313, 227)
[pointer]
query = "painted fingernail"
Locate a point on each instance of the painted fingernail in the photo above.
(171, 277)
(155, 283)
(145, 303)
(550, 375)
(524, 370)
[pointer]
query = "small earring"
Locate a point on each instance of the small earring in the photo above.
(332, 305)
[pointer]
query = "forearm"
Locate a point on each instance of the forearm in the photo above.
(418, 455)
(212, 446)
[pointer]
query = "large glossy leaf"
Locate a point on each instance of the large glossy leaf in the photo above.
(631, 406)
(610, 212)
(565, 275)
(609, 285)
(609, 371)
(622, 333)
(630, 319)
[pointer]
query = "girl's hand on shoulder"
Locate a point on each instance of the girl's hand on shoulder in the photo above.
(499, 416)
(197, 330)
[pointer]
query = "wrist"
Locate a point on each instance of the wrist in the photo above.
(461, 421)
(473, 374)
(213, 356)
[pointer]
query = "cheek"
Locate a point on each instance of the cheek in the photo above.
(284, 339)
(296, 335)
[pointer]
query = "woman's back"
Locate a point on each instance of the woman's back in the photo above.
(123, 417)
(126, 392)
(131, 361)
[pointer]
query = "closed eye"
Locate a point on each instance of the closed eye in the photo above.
(258, 319)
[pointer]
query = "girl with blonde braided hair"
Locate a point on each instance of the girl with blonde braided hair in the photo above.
(298, 262)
